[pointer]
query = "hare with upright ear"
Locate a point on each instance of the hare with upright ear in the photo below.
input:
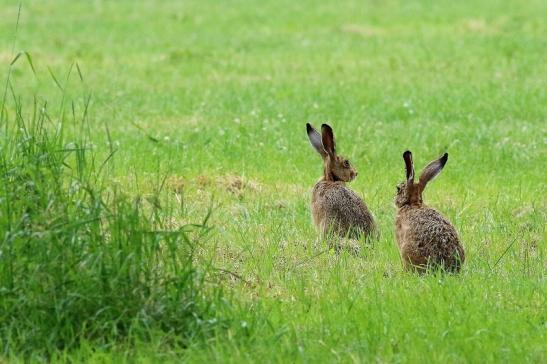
(336, 208)
(425, 237)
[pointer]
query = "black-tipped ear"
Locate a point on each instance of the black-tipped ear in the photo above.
(315, 140)
(432, 170)
(327, 137)
(409, 165)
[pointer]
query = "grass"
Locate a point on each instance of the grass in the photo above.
(83, 261)
(209, 100)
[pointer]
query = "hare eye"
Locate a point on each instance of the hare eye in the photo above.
(398, 189)
(346, 163)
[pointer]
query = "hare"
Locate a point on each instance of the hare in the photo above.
(336, 208)
(424, 236)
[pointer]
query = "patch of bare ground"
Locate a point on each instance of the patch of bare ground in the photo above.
(235, 185)
(479, 26)
(365, 31)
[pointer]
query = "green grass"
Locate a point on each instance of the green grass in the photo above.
(213, 97)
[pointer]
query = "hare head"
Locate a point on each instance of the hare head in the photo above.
(410, 193)
(336, 167)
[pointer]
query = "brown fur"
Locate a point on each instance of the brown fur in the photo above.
(424, 236)
(336, 208)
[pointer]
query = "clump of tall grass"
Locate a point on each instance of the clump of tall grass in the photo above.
(79, 259)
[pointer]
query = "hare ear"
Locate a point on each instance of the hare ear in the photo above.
(327, 137)
(315, 140)
(407, 156)
(432, 170)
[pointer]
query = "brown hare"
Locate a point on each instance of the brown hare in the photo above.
(425, 237)
(336, 208)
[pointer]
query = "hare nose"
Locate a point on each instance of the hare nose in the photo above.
(355, 174)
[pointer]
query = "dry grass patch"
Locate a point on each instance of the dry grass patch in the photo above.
(365, 31)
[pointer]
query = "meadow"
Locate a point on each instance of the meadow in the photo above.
(157, 176)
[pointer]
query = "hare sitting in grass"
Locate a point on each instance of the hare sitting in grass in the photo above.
(336, 208)
(425, 237)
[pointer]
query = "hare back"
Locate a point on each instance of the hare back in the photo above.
(338, 209)
(426, 237)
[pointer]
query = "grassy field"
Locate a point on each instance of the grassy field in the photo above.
(208, 100)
